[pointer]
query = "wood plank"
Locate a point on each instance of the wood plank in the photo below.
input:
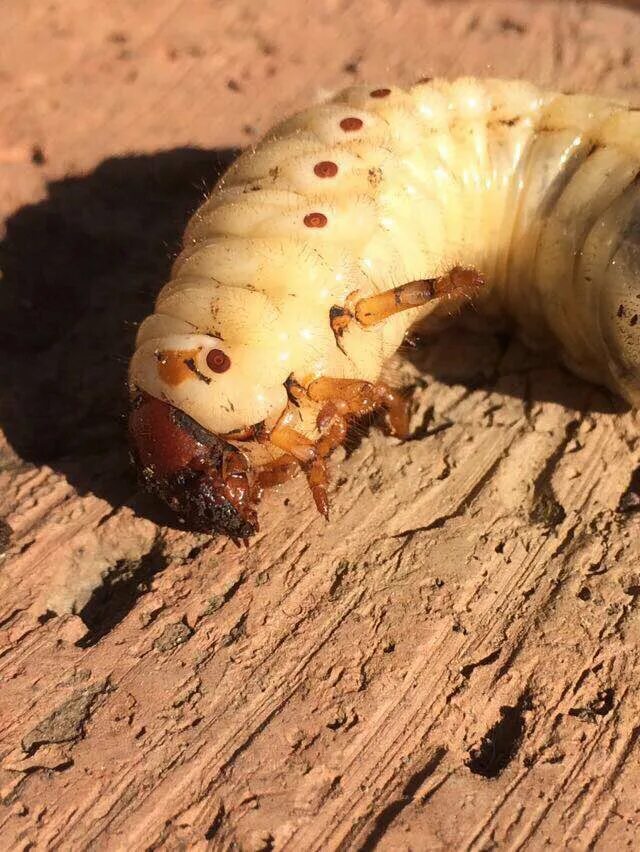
(452, 662)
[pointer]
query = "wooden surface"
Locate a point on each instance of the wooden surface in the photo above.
(452, 662)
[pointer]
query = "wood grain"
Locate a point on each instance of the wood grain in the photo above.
(452, 662)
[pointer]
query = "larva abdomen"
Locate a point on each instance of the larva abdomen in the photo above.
(268, 337)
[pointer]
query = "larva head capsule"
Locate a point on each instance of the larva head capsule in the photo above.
(191, 391)
(203, 478)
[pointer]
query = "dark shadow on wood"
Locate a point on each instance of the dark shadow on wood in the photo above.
(114, 599)
(81, 269)
(499, 362)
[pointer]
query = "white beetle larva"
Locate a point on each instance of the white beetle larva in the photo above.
(320, 248)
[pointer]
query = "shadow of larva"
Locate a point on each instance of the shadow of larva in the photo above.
(81, 269)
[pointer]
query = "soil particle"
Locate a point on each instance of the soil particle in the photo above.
(67, 722)
(172, 636)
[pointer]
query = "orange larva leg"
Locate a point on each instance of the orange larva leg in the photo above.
(332, 424)
(311, 456)
(459, 283)
(342, 398)
(318, 479)
(397, 407)
(278, 471)
(286, 438)
(305, 452)
(352, 397)
(357, 397)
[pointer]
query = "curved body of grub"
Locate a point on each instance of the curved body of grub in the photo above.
(349, 223)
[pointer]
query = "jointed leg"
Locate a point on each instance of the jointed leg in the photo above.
(346, 398)
(342, 398)
(285, 436)
(354, 397)
(311, 456)
(332, 425)
(279, 471)
(460, 282)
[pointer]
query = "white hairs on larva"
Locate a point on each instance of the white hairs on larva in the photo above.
(536, 191)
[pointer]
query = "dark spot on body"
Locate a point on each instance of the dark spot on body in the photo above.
(375, 176)
(339, 319)
(315, 220)
(295, 391)
(325, 169)
(621, 311)
(351, 124)
(634, 320)
(380, 93)
(218, 361)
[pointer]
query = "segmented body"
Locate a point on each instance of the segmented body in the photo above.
(536, 190)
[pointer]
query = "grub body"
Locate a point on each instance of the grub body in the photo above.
(378, 187)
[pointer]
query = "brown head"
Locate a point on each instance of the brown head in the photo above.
(200, 476)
